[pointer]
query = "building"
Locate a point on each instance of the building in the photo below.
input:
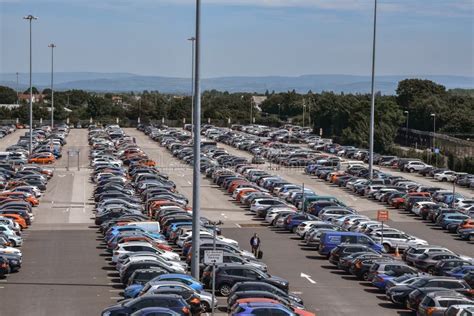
(37, 98)
(257, 100)
(117, 100)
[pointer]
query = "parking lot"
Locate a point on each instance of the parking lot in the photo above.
(62, 269)
(65, 268)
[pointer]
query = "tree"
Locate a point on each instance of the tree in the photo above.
(35, 91)
(7, 95)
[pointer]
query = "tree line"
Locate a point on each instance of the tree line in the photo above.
(344, 117)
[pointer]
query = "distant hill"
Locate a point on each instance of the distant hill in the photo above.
(117, 82)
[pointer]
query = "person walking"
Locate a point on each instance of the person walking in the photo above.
(255, 244)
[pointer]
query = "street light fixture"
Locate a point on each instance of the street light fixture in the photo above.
(17, 90)
(193, 40)
(30, 147)
(372, 103)
(196, 227)
(52, 86)
(406, 131)
(433, 115)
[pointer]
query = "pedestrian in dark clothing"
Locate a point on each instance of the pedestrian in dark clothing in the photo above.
(255, 244)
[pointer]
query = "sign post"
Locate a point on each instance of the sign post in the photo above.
(213, 257)
(382, 216)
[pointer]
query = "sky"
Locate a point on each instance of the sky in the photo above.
(241, 37)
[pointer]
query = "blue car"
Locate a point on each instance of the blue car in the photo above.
(331, 239)
(133, 290)
(153, 311)
(459, 272)
(293, 220)
(451, 218)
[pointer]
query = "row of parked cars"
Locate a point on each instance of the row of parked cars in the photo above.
(22, 184)
(147, 229)
(357, 244)
(450, 210)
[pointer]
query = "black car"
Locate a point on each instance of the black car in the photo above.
(399, 294)
(345, 250)
(127, 307)
(263, 286)
(228, 275)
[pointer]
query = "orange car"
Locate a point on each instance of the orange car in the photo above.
(17, 218)
(234, 184)
(468, 223)
(21, 196)
(244, 192)
(42, 158)
(148, 163)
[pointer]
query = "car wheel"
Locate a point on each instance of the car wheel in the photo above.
(293, 230)
(471, 237)
(444, 180)
(205, 307)
(431, 270)
(412, 170)
(12, 242)
(365, 276)
(224, 289)
(387, 248)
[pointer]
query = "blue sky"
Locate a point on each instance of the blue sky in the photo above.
(241, 37)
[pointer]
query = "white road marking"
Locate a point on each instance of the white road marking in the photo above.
(297, 292)
(307, 277)
(116, 298)
(61, 175)
(238, 225)
(115, 291)
(189, 182)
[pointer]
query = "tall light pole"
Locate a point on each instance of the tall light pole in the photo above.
(30, 145)
(193, 40)
(17, 90)
(434, 138)
(52, 82)
(372, 104)
(251, 110)
(304, 110)
(197, 147)
(406, 131)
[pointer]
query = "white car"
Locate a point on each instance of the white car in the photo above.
(13, 238)
(416, 209)
(444, 176)
(6, 249)
(393, 240)
(272, 214)
(413, 166)
(139, 246)
(464, 203)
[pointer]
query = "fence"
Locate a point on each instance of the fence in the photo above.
(446, 144)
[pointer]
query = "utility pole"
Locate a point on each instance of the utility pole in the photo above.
(52, 88)
(406, 132)
(17, 90)
(193, 40)
(30, 18)
(372, 103)
(197, 147)
(434, 139)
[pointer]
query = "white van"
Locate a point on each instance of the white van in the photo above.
(150, 226)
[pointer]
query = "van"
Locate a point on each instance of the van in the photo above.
(151, 227)
(331, 239)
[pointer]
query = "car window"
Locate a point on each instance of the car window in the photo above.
(447, 303)
(235, 272)
(451, 285)
(250, 274)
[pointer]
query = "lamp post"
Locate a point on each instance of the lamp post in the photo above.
(372, 103)
(17, 90)
(193, 40)
(304, 110)
(406, 131)
(30, 18)
(197, 147)
(52, 81)
(434, 138)
(251, 110)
